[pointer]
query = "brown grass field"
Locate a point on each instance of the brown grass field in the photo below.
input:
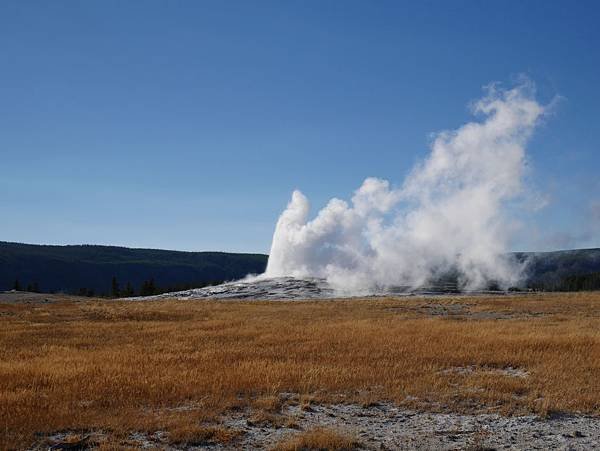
(175, 366)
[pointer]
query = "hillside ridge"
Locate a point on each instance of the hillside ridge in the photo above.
(90, 269)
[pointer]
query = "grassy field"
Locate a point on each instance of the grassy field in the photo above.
(172, 366)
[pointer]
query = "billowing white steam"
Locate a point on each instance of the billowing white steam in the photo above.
(449, 214)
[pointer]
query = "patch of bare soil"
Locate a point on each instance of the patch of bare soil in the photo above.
(377, 427)
(24, 297)
(458, 310)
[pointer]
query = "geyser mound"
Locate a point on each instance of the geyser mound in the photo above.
(291, 288)
(257, 287)
(450, 216)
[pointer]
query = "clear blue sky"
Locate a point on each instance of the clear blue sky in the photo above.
(187, 124)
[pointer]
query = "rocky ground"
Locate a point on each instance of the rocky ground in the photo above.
(386, 427)
(290, 288)
(23, 297)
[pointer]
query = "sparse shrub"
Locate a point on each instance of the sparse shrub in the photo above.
(306, 403)
(319, 439)
(271, 403)
(266, 419)
(197, 435)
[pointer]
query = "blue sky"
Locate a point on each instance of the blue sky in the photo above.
(186, 125)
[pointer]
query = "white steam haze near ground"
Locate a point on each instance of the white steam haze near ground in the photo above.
(450, 213)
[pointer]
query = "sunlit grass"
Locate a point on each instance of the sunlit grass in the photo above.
(121, 367)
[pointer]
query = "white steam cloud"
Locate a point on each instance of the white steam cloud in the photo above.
(449, 214)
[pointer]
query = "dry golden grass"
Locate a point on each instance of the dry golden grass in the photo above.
(318, 439)
(123, 367)
(198, 435)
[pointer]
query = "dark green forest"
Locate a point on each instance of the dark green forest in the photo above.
(569, 270)
(90, 270)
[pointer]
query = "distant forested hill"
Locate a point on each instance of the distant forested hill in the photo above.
(110, 270)
(569, 270)
(96, 270)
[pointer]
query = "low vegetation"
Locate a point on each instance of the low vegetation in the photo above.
(319, 439)
(175, 366)
(198, 435)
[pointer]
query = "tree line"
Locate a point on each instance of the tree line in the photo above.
(150, 288)
(31, 287)
(117, 290)
(581, 282)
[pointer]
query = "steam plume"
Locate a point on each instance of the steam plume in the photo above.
(448, 215)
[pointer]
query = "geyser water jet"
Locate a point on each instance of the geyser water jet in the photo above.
(449, 214)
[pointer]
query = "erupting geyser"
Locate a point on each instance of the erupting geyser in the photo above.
(449, 214)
